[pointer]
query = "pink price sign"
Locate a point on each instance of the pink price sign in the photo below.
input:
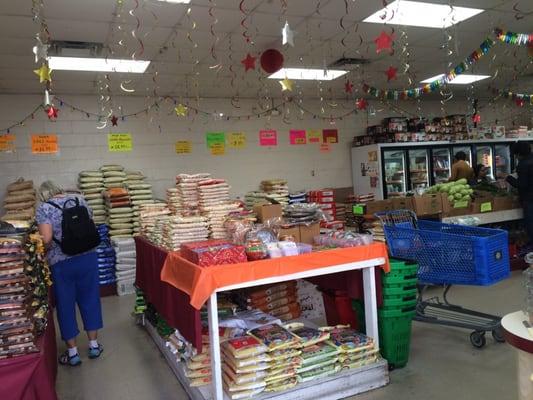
(298, 137)
(268, 138)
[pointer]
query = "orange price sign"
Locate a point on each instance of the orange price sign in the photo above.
(7, 143)
(44, 144)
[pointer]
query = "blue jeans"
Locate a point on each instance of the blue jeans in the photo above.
(76, 281)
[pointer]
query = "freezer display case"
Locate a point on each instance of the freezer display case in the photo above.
(465, 149)
(502, 160)
(484, 156)
(441, 164)
(418, 169)
(395, 176)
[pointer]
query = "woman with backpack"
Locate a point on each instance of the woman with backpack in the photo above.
(66, 225)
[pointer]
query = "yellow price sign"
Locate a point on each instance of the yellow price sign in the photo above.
(119, 142)
(218, 149)
(237, 140)
(486, 207)
(314, 136)
(44, 144)
(299, 141)
(183, 147)
(7, 143)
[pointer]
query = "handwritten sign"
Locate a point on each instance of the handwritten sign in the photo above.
(486, 207)
(325, 147)
(268, 138)
(359, 209)
(314, 136)
(330, 136)
(44, 144)
(461, 204)
(215, 138)
(237, 140)
(119, 142)
(218, 149)
(7, 143)
(297, 137)
(183, 147)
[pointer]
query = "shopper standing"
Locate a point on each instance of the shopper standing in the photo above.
(65, 222)
(461, 169)
(524, 183)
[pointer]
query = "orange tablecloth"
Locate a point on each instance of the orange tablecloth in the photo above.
(201, 282)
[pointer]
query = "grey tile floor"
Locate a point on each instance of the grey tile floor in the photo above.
(443, 365)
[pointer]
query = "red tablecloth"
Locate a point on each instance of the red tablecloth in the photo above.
(32, 377)
(173, 304)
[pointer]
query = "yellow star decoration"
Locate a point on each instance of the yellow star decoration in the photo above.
(286, 84)
(44, 73)
(181, 110)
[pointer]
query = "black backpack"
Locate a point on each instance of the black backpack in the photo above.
(79, 231)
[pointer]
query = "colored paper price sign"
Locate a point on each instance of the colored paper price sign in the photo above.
(359, 209)
(119, 142)
(215, 138)
(314, 136)
(183, 147)
(332, 139)
(237, 141)
(330, 136)
(44, 144)
(7, 143)
(460, 204)
(299, 141)
(268, 138)
(218, 149)
(297, 137)
(486, 207)
(325, 147)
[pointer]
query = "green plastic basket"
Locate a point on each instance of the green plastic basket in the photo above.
(399, 311)
(399, 288)
(395, 339)
(394, 300)
(402, 267)
(390, 279)
(359, 308)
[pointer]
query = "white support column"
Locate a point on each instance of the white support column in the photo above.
(371, 309)
(216, 364)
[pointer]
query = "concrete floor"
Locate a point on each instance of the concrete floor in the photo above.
(443, 365)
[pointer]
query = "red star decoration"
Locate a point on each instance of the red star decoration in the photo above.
(391, 73)
(383, 42)
(348, 87)
(361, 104)
(52, 112)
(248, 62)
(114, 120)
(520, 102)
(476, 118)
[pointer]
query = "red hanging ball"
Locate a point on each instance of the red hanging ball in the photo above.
(271, 61)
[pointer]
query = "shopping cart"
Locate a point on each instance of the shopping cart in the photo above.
(450, 255)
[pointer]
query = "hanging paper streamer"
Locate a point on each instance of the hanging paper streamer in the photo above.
(459, 69)
(213, 138)
(183, 147)
(330, 136)
(7, 143)
(268, 138)
(518, 39)
(44, 144)
(525, 97)
(297, 137)
(237, 140)
(119, 142)
(314, 136)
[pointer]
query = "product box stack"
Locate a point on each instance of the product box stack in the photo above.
(106, 257)
(280, 300)
(119, 212)
(148, 216)
(325, 199)
(91, 184)
(140, 193)
(19, 203)
(125, 264)
(178, 230)
(276, 189)
(252, 198)
(298, 197)
(183, 199)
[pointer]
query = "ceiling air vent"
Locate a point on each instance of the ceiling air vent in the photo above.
(75, 49)
(348, 62)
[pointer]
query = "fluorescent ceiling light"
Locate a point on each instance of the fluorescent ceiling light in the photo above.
(463, 79)
(414, 13)
(97, 64)
(176, 1)
(308, 74)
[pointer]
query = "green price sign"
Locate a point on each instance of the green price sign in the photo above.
(460, 204)
(486, 207)
(359, 209)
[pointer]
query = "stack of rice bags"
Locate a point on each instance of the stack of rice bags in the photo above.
(156, 235)
(355, 349)
(140, 193)
(276, 189)
(252, 198)
(126, 263)
(298, 197)
(183, 199)
(120, 212)
(91, 184)
(215, 204)
(19, 203)
(106, 257)
(148, 215)
(280, 300)
(178, 230)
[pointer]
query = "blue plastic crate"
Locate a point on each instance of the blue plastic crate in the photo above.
(451, 254)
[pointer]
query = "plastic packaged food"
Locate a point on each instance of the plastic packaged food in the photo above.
(308, 336)
(350, 341)
(234, 387)
(239, 379)
(288, 248)
(244, 347)
(279, 386)
(318, 352)
(275, 337)
(256, 250)
(321, 364)
(245, 394)
(318, 373)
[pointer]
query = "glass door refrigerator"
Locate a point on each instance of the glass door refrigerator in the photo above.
(502, 160)
(441, 158)
(467, 150)
(418, 170)
(394, 168)
(484, 156)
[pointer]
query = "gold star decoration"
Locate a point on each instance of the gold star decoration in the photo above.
(286, 84)
(44, 73)
(181, 110)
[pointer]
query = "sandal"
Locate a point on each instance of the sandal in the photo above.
(96, 352)
(65, 359)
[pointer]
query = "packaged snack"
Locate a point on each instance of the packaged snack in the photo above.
(359, 364)
(198, 373)
(244, 347)
(249, 368)
(308, 336)
(357, 357)
(318, 373)
(197, 382)
(350, 341)
(275, 337)
(231, 386)
(321, 364)
(257, 376)
(318, 352)
(279, 386)
(283, 355)
(193, 365)
(245, 394)
(269, 290)
(246, 362)
(280, 374)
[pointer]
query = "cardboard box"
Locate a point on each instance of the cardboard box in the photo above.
(427, 204)
(502, 203)
(482, 203)
(402, 203)
(373, 207)
(293, 231)
(308, 233)
(265, 212)
(456, 208)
